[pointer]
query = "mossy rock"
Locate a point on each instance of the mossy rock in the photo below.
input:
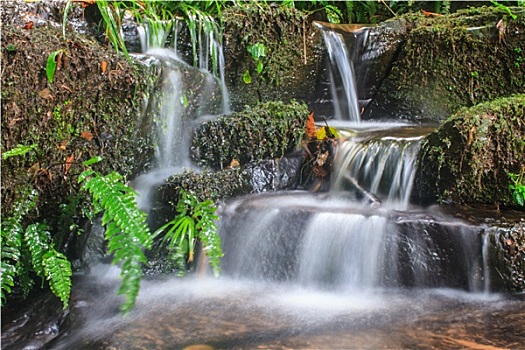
(91, 108)
(294, 60)
(452, 61)
(268, 130)
(468, 158)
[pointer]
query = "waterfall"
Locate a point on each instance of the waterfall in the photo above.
(386, 167)
(185, 94)
(327, 241)
(342, 78)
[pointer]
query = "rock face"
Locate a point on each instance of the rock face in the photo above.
(294, 62)
(452, 61)
(90, 108)
(266, 131)
(468, 158)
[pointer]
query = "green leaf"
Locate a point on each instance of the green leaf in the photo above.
(518, 198)
(246, 77)
(92, 160)
(260, 67)
(19, 150)
(51, 65)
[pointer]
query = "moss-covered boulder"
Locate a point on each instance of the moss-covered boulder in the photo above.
(452, 61)
(469, 157)
(294, 55)
(92, 107)
(266, 131)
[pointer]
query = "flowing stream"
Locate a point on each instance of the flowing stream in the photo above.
(304, 270)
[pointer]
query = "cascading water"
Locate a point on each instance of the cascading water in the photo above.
(342, 78)
(185, 94)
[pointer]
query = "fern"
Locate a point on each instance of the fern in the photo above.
(57, 270)
(30, 249)
(37, 240)
(126, 230)
(195, 221)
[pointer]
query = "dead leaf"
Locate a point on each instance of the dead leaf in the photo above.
(501, 30)
(471, 133)
(59, 60)
(104, 66)
(46, 94)
(86, 135)
(63, 145)
(69, 162)
(233, 164)
(311, 130)
(29, 25)
(64, 86)
(431, 14)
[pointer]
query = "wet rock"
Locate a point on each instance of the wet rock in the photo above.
(294, 61)
(469, 157)
(266, 131)
(448, 62)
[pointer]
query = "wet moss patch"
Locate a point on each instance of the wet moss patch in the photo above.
(467, 159)
(268, 130)
(452, 61)
(91, 108)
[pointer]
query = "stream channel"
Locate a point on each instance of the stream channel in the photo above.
(335, 270)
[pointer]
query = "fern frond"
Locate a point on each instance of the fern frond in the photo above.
(194, 221)
(37, 239)
(127, 233)
(57, 270)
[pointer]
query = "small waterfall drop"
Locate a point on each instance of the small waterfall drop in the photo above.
(342, 78)
(385, 167)
(185, 94)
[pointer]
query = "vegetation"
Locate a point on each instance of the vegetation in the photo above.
(126, 230)
(27, 248)
(194, 222)
(277, 126)
(518, 186)
(471, 154)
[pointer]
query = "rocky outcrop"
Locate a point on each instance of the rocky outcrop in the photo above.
(469, 157)
(91, 108)
(453, 61)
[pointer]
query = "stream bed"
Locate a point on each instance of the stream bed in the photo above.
(241, 314)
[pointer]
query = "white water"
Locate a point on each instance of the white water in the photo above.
(344, 96)
(386, 167)
(174, 115)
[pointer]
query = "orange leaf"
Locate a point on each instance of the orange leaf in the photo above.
(87, 135)
(311, 130)
(29, 25)
(63, 145)
(104, 66)
(69, 162)
(430, 14)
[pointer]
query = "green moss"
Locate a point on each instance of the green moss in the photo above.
(470, 155)
(453, 61)
(268, 130)
(82, 99)
(293, 55)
